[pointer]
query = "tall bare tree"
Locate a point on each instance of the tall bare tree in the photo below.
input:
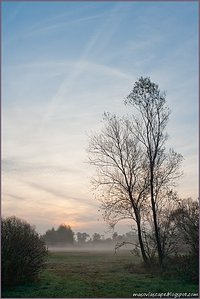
(136, 173)
(149, 126)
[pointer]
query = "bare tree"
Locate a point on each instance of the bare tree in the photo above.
(122, 175)
(135, 172)
(149, 129)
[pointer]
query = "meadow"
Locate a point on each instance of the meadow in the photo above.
(79, 274)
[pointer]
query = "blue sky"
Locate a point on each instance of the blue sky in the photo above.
(63, 65)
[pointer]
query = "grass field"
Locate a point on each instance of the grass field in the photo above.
(97, 274)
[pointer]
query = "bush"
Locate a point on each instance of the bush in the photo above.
(186, 221)
(186, 267)
(23, 252)
(189, 268)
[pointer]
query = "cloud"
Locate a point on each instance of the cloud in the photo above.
(61, 194)
(54, 23)
(23, 167)
(59, 25)
(14, 196)
(58, 124)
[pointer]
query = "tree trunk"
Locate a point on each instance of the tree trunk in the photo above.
(144, 256)
(139, 231)
(157, 235)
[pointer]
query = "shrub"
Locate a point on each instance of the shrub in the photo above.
(189, 268)
(23, 252)
(186, 221)
(186, 267)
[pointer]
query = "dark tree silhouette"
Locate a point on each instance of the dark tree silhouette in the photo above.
(23, 252)
(149, 128)
(50, 237)
(122, 176)
(135, 173)
(82, 237)
(96, 237)
(63, 236)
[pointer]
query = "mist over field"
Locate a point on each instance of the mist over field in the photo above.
(90, 248)
(87, 248)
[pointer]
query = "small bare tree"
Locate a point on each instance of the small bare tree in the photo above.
(122, 176)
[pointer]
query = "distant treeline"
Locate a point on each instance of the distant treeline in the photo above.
(64, 236)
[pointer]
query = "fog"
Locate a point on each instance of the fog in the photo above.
(90, 248)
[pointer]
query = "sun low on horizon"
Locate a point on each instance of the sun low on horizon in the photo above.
(66, 63)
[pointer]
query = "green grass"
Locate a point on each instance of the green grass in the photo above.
(96, 274)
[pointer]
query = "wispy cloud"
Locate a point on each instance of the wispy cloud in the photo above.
(59, 25)
(14, 196)
(21, 167)
(61, 194)
(52, 24)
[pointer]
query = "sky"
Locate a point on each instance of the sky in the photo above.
(63, 65)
